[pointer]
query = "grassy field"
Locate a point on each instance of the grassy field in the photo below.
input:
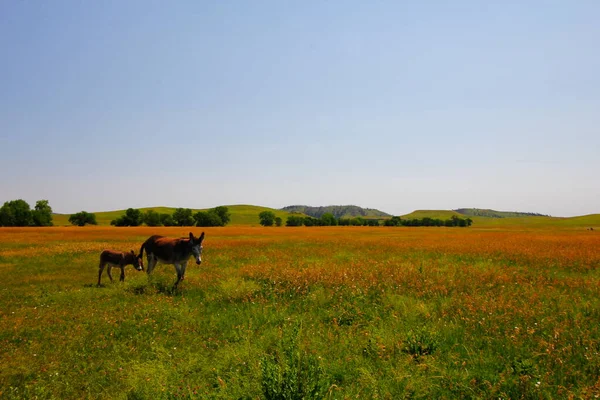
(344, 312)
(241, 214)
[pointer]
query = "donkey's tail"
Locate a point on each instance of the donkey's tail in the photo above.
(140, 256)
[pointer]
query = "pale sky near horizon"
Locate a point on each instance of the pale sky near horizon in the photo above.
(383, 104)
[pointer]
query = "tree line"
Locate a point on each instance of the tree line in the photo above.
(218, 216)
(268, 218)
(19, 213)
(454, 221)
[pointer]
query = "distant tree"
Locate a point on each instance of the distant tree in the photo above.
(82, 218)
(151, 218)
(183, 217)
(132, 217)
(358, 221)
(42, 214)
(267, 218)
(16, 213)
(224, 215)
(328, 219)
(7, 217)
(208, 218)
(469, 221)
(294, 220)
(167, 219)
(395, 221)
(309, 221)
(278, 221)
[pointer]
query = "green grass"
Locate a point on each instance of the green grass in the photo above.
(311, 313)
(240, 215)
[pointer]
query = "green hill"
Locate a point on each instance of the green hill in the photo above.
(436, 214)
(247, 215)
(348, 211)
(479, 212)
(241, 214)
(526, 220)
(584, 221)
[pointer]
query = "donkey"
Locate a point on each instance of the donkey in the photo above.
(118, 259)
(172, 251)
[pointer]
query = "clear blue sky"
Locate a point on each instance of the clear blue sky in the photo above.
(383, 104)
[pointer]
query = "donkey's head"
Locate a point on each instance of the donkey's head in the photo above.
(137, 261)
(196, 245)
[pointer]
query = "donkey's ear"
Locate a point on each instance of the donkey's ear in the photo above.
(201, 238)
(191, 236)
(132, 252)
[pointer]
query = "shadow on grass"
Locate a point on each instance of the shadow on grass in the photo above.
(161, 287)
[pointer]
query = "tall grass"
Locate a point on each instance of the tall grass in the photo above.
(304, 312)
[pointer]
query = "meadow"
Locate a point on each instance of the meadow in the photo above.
(328, 312)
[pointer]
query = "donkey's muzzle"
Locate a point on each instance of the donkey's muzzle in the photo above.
(198, 262)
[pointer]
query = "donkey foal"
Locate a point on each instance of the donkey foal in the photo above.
(118, 259)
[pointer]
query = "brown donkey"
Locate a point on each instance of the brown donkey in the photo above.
(172, 251)
(118, 259)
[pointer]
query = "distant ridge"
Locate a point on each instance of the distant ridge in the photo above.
(479, 212)
(348, 211)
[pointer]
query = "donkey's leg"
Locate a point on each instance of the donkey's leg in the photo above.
(179, 275)
(183, 266)
(151, 263)
(100, 269)
(122, 277)
(108, 272)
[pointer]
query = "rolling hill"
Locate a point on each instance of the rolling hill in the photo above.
(241, 214)
(348, 211)
(247, 215)
(525, 220)
(435, 214)
(478, 212)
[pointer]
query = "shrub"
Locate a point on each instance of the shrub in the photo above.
(291, 373)
(223, 213)
(294, 220)
(16, 213)
(421, 341)
(167, 219)
(42, 214)
(208, 218)
(151, 218)
(132, 217)
(82, 218)
(267, 218)
(183, 217)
